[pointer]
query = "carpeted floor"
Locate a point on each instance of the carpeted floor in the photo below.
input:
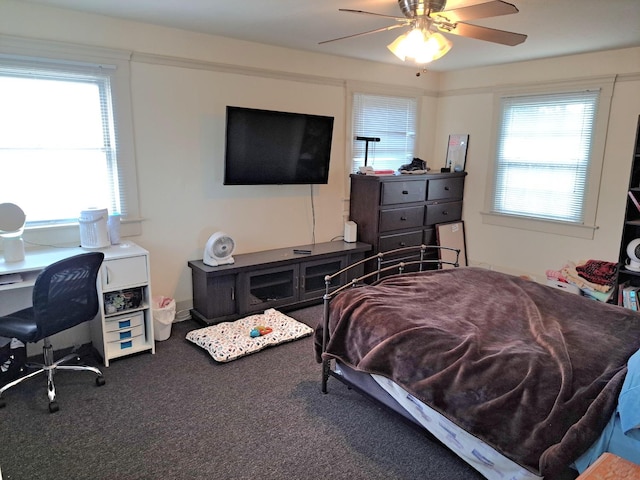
(180, 415)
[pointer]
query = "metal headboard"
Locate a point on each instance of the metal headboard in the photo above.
(401, 258)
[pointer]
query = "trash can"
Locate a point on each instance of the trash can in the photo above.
(164, 311)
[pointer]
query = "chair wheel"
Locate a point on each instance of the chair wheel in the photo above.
(53, 407)
(100, 381)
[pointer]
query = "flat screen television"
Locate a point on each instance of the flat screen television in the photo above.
(264, 147)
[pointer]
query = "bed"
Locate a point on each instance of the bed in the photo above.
(521, 380)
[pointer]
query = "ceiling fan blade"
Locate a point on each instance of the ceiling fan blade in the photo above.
(383, 29)
(494, 8)
(487, 34)
(400, 19)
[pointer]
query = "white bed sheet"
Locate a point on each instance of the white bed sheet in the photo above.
(472, 450)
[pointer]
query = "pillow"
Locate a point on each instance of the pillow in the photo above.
(227, 341)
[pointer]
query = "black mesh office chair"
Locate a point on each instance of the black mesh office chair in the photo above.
(64, 295)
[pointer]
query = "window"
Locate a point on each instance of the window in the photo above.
(66, 133)
(544, 155)
(393, 121)
(57, 140)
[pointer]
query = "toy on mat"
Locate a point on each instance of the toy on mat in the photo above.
(259, 331)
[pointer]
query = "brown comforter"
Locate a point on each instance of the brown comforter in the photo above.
(531, 370)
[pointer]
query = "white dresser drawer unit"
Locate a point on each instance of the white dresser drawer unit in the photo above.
(125, 347)
(124, 333)
(124, 272)
(124, 321)
(124, 327)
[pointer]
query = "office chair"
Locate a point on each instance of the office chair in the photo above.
(64, 295)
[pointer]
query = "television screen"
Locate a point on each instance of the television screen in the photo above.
(265, 147)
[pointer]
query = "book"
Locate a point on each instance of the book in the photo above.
(633, 199)
(633, 299)
(630, 297)
(621, 292)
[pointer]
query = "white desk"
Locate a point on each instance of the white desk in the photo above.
(114, 333)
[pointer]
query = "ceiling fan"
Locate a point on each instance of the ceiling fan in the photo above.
(427, 18)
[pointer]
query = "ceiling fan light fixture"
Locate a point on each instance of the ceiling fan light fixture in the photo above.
(420, 45)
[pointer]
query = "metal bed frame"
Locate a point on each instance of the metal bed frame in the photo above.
(401, 259)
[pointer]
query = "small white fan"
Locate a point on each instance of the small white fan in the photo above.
(633, 250)
(218, 250)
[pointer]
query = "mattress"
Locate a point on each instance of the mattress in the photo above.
(472, 450)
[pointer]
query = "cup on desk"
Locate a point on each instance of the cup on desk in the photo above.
(113, 225)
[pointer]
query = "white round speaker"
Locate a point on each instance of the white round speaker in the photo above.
(633, 251)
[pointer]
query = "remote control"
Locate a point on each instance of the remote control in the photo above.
(305, 252)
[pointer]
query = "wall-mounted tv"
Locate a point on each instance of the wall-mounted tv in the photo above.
(265, 147)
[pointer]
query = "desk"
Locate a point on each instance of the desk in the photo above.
(114, 333)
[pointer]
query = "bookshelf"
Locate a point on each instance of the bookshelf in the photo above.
(629, 279)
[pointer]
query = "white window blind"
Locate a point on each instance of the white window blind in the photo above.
(393, 121)
(58, 149)
(543, 155)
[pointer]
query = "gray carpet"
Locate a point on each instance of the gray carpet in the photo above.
(180, 415)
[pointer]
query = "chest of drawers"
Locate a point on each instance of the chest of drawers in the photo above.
(401, 211)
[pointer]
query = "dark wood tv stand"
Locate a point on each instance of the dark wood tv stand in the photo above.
(276, 278)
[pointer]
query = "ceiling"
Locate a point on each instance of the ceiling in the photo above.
(554, 27)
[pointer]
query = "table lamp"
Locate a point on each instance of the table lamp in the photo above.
(12, 220)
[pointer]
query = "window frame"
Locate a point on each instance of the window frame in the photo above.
(353, 87)
(373, 145)
(22, 52)
(587, 228)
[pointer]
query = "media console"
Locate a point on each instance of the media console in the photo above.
(279, 278)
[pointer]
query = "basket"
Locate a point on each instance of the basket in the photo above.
(93, 228)
(122, 300)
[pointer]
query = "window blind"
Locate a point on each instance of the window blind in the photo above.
(543, 155)
(393, 120)
(58, 147)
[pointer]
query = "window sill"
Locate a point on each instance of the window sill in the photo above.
(538, 225)
(69, 233)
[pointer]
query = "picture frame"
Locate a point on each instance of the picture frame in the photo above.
(451, 235)
(457, 152)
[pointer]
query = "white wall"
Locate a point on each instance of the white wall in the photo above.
(181, 82)
(466, 106)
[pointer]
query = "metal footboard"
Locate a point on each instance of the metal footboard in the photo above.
(389, 262)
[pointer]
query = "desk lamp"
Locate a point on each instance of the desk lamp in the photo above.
(12, 220)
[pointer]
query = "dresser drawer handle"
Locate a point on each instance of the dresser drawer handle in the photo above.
(446, 188)
(405, 192)
(402, 244)
(444, 212)
(404, 219)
